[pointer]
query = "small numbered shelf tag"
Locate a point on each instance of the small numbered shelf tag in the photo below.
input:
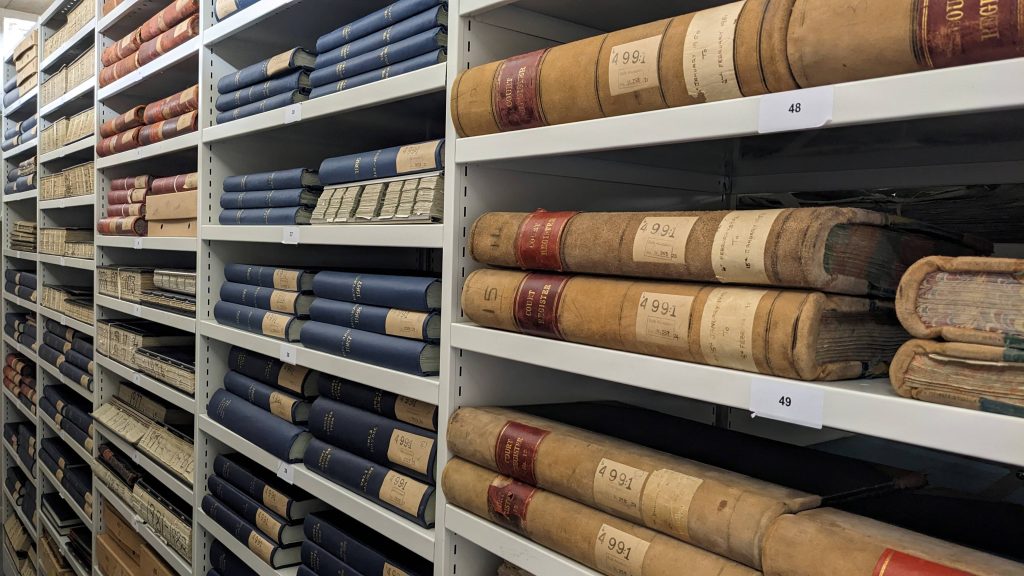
(136, 378)
(794, 403)
(292, 113)
(63, 262)
(61, 320)
(136, 243)
(290, 235)
(135, 456)
(796, 110)
(135, 523)
(136, 310)
(61, 203)
(288, 354)
(286, 472)
(17, 254)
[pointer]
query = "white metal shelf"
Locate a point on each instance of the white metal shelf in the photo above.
(119, 12)
(868, 407)
(86, 143)
(29, 526)
(245, 19)
(84, 200)
(152, 385)
(21, 407)
(71, 95)
(146, 243)
(68, 261)
(920, 95)
(14, 456)
(19, 196)
(62, 545)
(150, 70)
(67, 321)
(56, 373)
(412, 536)
(20, 150)
(391, 235)
(517, 549)
(85, 518)
(169, 555)
(20, 301)
(85, 456)
(62, 54)
(171, 319)
(21, 348)
(238, 549)
(418, 387)
(61, 6)
(21, 255)
(176, 144)
(16, 106)
(146, 463)
(424, 81)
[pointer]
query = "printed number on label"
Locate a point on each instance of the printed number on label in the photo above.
(137, 243)
(796, 110)
(794, 403)
(286, 472)
(136, 378)
(290, 235)
(288, 354)
(136, 310)
(615, 545)
(292, 113)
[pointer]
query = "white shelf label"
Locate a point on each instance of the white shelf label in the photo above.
(796, 110)
(290, 235)
(61, 203)
(63, 321)
(288, 354)
(136, 310)
(286, 472)
(794, 403)
(135, 456)
(136, 243)
(136, 378)
(292, 113)
(63, 262)
(17, 254)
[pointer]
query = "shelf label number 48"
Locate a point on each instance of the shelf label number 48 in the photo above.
(796, 110)
(795, 403)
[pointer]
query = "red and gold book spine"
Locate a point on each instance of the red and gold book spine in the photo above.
(131, 183)
(179, 183)
(153, 133)
(122, 226)
(120, 69)
(168, 18)
(122, 49)
(122, 210)
(169, 40)
(127, 121)
(173, 106)
(122, 142)
(135, 196)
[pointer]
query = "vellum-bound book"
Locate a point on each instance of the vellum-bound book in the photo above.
(170, 450)
(172, 522)
(123, 421)
(839, 250)
(788, 333)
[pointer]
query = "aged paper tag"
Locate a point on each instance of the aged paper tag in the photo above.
(634, 66)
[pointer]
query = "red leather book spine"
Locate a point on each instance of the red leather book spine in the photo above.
(173, 106)
(124, 141)
(168, 18)
(131, 183)
(122, 49)
(128, 120)
(134, 196)
(122, 226)
(153, 133)
(122, 210)
(169, 40)
(120, 69)
(179, 183)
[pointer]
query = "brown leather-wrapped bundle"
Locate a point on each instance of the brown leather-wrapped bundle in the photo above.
(838, 250)
(179, 183)
(841, 544)
(128, 120)
(717, 510)
(122, 49)
(167, 18)
(153, 133)
(788, 333)
(131, 183)
(126, 226)
(173, 106)
(122, 142)
(831, 42)
(169, 40)
(598, 540)
(988, 378)
(120, 69)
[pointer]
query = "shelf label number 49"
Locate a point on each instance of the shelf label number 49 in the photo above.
(796, 110)
(795, 403)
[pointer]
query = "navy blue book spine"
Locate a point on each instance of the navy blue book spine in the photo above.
(374, 21)
(10, 187)
(259, 426)
(381, 163)
(50, 355)
(243, 531)
(257, 73)
(82, 347)
(399, 446)
(305, 571)
(262, 216)
(249, 319)
(405, 496)
(270, 524)
(272, 400)
(76, 374)
(11, 84)
(249, 295)
(77, 434)
(29, 124)
(370, 318)
(271, 103)
(225, 562)
(424, 21)
(262, 91)
(56, 342)
(276, 498)
(367, 555)
(11, 98)
(79, 417)
(75, 357)
(262, 199)
(323, 562)
(391, 352)
(386, 55)
(25, 293)
(387, 290)
(221, 13)
(59, 329)
(277, 180)
(11, 133)
(397, 69)
(48, 408)
(269, 370)
(24, 183)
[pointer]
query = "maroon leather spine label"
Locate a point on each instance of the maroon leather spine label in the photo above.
(536, 304)
(539, 243)
(517, 92)
(515, 453)
(958, 32)
(895, 563)
(509, 502)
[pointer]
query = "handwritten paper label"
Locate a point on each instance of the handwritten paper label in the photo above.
(618, 487)
(662, 239)
(634, 66)
(618, 553)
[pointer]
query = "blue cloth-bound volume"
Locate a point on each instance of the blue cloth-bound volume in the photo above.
(436, 17)
(397, 445)
(225, 562)
(390, 321)
(295, 81)
(222, 10)
(385, 163)
(288, 216)
(405, 292)
(270, 524)
(388, 404)
(257, 321)
(29, 124)
(261, 485)
(271, 103)
(367, 552)
(390, 54)
(277, 180)
(269, 198)
(374, 21)
(10, 84)
(405, 496)
(281, 404)
(273, 67)
(249, 535)
(296, 379)
(401, 354)
(396, 69)
(325, 562)
(281, 439)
